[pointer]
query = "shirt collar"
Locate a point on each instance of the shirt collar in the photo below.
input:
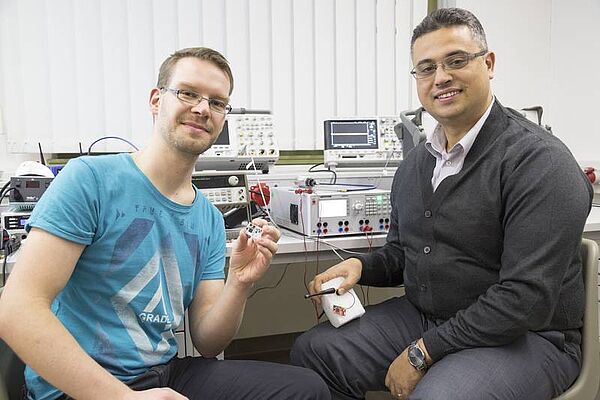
(436, 140)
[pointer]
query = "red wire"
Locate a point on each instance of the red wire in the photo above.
(306, 257)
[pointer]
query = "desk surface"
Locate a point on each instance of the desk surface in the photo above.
(292, 242)
(293, 248)
(592, 223)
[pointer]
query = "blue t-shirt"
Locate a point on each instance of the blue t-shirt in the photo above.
(138, 273)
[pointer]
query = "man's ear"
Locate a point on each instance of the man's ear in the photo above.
(154, 101)
(490, 62)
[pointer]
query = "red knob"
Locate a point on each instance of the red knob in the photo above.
(590, 172)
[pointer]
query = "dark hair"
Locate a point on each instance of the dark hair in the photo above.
(445, 17)
(202, 53)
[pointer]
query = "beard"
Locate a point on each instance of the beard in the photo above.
(182, 138)
(186, 143)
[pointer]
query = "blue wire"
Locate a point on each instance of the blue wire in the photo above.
(358, 186)
(110, 137)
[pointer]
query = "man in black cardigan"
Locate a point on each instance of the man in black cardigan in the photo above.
(487, 217)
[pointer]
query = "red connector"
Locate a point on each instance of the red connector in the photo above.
(256, 196)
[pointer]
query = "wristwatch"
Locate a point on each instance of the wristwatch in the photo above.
(416, 356)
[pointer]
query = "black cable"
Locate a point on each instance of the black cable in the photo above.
(353, 300)
(110, 137)
(270, 287)
(261, 213)
(7, 248)
(4, 187)
(324, 170)
(259, 193)
(5, 193)
(4, 268)
(316, 165)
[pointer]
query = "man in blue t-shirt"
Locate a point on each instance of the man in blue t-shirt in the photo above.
(121, 246)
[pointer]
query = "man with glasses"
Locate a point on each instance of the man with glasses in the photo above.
(487, 217)
(121, 246)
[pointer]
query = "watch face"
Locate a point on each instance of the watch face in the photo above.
(416, 358)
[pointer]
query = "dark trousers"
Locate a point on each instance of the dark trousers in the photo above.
(209, 378)
(355, 358)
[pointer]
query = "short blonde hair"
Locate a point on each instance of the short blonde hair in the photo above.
(202, 53)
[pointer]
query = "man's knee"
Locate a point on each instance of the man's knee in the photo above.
(309, 385)
(308, 348)
(435, 390)
(313, 347)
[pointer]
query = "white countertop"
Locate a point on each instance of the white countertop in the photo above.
(593, 220)
(292, 247)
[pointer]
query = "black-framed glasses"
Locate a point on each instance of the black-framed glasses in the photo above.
(193, 98)
(452, 62)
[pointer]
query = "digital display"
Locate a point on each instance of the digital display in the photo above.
(32, 184)
(223, 138)
(333, 208)
(351, 134)
(23, 221)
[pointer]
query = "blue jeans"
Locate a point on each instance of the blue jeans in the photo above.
(354, 359)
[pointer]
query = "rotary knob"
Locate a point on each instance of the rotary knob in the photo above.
(358, 206)
(233, 180)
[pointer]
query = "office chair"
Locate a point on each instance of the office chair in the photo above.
(11, 374)
(587, 384)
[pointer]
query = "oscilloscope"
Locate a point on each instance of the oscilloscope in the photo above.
(361, 142)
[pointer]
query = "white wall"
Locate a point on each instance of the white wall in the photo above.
(72, 71)
(539, 46)
(576, 93)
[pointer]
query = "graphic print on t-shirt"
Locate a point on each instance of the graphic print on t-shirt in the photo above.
(152, 301)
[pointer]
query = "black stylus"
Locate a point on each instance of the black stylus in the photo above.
(321, 293)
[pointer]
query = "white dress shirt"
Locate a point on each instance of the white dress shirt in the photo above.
(448, 163)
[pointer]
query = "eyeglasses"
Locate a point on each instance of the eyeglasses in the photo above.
(453, 62)
(193, 98)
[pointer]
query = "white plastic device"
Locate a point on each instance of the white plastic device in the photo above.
(340, 309)
(27, 168)
(253, 231)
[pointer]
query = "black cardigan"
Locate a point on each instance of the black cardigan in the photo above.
(494, 252)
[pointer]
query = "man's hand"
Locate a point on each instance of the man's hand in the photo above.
(250, 258)
(155, 394)
(402, 377)
(350, 270)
